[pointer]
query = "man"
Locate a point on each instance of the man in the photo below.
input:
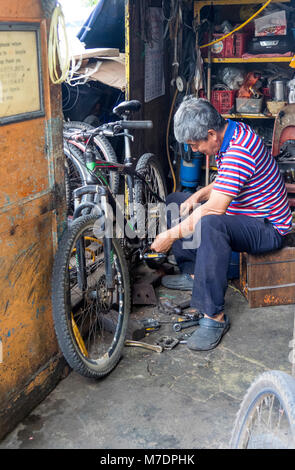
(245, 210)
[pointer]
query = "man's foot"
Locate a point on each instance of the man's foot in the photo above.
(209, 333)
(178, 281)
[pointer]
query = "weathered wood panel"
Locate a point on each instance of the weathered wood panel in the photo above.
(32, 216)
(268, 279)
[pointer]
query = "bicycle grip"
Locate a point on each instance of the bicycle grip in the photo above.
(136, 124)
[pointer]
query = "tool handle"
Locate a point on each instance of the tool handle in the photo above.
(139, 344)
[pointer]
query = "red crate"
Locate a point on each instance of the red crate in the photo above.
(240, 44)
(232, 46)
(223, 100)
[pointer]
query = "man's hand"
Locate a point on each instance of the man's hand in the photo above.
(163, 242)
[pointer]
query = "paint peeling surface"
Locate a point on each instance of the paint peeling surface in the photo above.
(31, 212)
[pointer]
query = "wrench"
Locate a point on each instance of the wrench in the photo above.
(184, 324)
(140, 344)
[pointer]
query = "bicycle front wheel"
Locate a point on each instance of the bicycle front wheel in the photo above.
(90, 319)
(266, 418)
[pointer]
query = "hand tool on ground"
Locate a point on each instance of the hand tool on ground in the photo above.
(167, 342)
(150, 324)
(139, 344)
(167, 307)
(178, 326)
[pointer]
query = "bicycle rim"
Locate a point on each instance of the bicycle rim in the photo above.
(90, 320)
(266, 419)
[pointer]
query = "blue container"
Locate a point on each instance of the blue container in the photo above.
(190, 171)
(234, 266)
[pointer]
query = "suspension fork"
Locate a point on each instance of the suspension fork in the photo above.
(107, 242)
(129, 181)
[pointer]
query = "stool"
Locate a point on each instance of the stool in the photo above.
(268, 279)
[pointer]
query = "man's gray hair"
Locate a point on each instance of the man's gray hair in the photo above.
(193, 119)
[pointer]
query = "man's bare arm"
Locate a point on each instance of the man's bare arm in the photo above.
(202, 195)
(217, 204)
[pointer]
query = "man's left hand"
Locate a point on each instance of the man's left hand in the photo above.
(163, 242)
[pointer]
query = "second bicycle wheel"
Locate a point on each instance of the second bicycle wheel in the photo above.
(266, 418)
(102, 149)
(90, 319)
(150, 212)
(75, 173)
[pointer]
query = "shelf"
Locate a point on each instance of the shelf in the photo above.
(248, 116)
(239, 60)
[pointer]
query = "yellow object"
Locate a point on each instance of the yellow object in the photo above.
(78, 337)
(54, 48)
(239, 27)
(239, 60)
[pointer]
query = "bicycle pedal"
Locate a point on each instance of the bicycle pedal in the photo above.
(154, 259)
(151, 255)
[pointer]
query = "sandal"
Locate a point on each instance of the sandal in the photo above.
(209, 334)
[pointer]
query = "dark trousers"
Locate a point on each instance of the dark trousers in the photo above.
(208, 260)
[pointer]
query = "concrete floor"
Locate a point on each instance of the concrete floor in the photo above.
(176, 399)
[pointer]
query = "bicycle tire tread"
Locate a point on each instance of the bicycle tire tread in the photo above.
(58, 301)
(282, 384)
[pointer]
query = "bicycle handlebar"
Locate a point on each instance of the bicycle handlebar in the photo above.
(110, 128)
(135, 124)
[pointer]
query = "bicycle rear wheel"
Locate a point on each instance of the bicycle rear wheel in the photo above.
(102, 149)
(90, 320)
(266, 418)
(150, 213)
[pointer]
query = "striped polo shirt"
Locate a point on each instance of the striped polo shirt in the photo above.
(248, 172)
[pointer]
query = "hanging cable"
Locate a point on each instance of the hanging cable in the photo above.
(238, 27)
(55, 58)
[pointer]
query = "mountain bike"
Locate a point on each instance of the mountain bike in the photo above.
(92, 273)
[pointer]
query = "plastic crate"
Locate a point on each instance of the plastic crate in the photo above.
(232, 46)
(223, 100)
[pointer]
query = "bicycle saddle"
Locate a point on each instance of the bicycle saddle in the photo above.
(126, 107)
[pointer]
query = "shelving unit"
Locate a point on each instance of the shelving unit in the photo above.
(248, 116)
(250, 60)
(283, 60)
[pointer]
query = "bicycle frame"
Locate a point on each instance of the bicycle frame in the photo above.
(102, 198)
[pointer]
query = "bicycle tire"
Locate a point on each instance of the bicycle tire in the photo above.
(278, 389)
(72, 308)
(75, 173)
(148, 166)
(102, 149)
